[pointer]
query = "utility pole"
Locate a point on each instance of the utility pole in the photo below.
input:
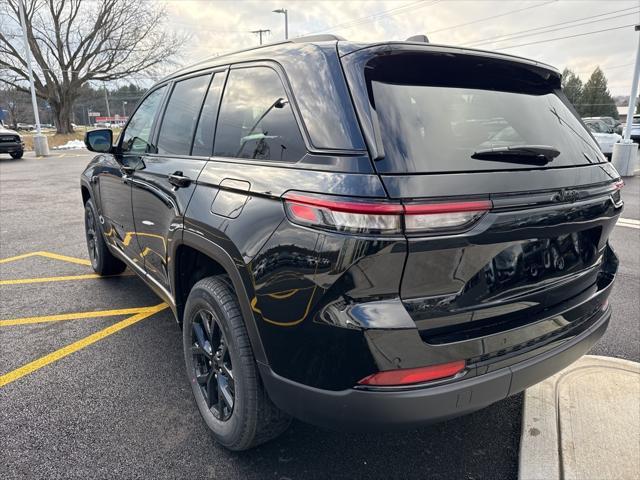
(286, 21)
(625, 153)
(260, 32)
(106, 100)
(40, 144)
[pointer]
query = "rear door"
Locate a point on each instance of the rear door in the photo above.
(164, 183)
(509, 200)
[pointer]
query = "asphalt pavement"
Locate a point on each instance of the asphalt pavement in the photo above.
(116, 402)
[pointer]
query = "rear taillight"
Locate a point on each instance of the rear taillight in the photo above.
(344, 216)
(379, 217)
(408, 376)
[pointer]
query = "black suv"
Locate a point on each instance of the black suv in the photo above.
(360, 235)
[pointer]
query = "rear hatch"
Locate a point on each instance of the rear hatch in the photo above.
(492, 136)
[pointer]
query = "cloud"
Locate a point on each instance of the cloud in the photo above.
(217, 27)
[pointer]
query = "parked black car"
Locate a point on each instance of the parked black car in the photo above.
(11, 143)
(361, 236)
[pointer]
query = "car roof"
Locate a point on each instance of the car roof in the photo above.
(277, 50)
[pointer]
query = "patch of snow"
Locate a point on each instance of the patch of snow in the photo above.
(71, 145)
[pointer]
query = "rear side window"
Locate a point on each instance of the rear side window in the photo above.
(203, 139)
(436, 122)
(256, 120)
(181, 115)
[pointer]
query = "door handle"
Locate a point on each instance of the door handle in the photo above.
(178, 180)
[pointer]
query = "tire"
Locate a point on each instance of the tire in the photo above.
(17, 155)
(102, 260)
(222, 372)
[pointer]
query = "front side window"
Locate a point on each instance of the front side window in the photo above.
(136, 137)
(181, 116)
(256, 120)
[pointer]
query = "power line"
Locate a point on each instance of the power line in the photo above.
(492, 17)
(514, 35)
(603, 68)
(568, 36)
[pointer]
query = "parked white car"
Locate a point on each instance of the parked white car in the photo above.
(635, 129)
(604, 135)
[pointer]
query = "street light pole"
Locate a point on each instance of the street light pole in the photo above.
(124, 111)
(40, 143)
(106, 100)
(286, 21)
(625, 153)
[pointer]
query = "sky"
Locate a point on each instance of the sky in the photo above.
(518, 27)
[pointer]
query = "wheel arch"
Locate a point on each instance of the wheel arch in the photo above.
(211, 259)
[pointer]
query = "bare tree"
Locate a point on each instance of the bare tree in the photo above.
(18, 106)
(76, 41)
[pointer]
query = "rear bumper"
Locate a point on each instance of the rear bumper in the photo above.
(355, 409)
(11, 147)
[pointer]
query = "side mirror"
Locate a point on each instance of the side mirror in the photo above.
(99, 141)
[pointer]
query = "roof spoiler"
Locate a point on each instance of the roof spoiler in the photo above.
(418, 38)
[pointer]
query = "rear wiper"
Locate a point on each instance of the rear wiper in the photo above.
(530, 154)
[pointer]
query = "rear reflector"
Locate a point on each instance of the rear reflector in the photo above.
(408, 376)
(442, 216)
(380, 217)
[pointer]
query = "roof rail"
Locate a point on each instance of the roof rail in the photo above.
(323, 37)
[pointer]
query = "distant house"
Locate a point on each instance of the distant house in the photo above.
(622, 112)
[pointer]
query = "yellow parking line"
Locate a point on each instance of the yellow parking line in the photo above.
(19, 257)
(73, 316)
(54, 256)
(88, 276)
(75, 346)
(65, 258)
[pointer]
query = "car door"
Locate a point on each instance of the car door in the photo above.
(163, 186)
(115, 174)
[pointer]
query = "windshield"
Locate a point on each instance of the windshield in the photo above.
(436, 129)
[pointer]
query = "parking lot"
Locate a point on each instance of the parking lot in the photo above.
(92, 380)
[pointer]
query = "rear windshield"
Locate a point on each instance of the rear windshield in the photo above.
(427, 128)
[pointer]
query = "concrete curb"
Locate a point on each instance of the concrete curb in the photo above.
(583, 423)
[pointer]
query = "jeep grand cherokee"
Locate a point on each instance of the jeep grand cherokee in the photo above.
(361, 236)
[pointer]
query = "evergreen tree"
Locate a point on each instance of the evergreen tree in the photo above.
(596, 101)
(572, 88)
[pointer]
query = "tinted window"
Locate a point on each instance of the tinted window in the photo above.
(203, 139)
(256, 120)
(181, 115)
(437, 129)
(135, 138)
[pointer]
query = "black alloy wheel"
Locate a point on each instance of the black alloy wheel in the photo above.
(102, 260)
(91, 229)
(222, 369)
(212, 364)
